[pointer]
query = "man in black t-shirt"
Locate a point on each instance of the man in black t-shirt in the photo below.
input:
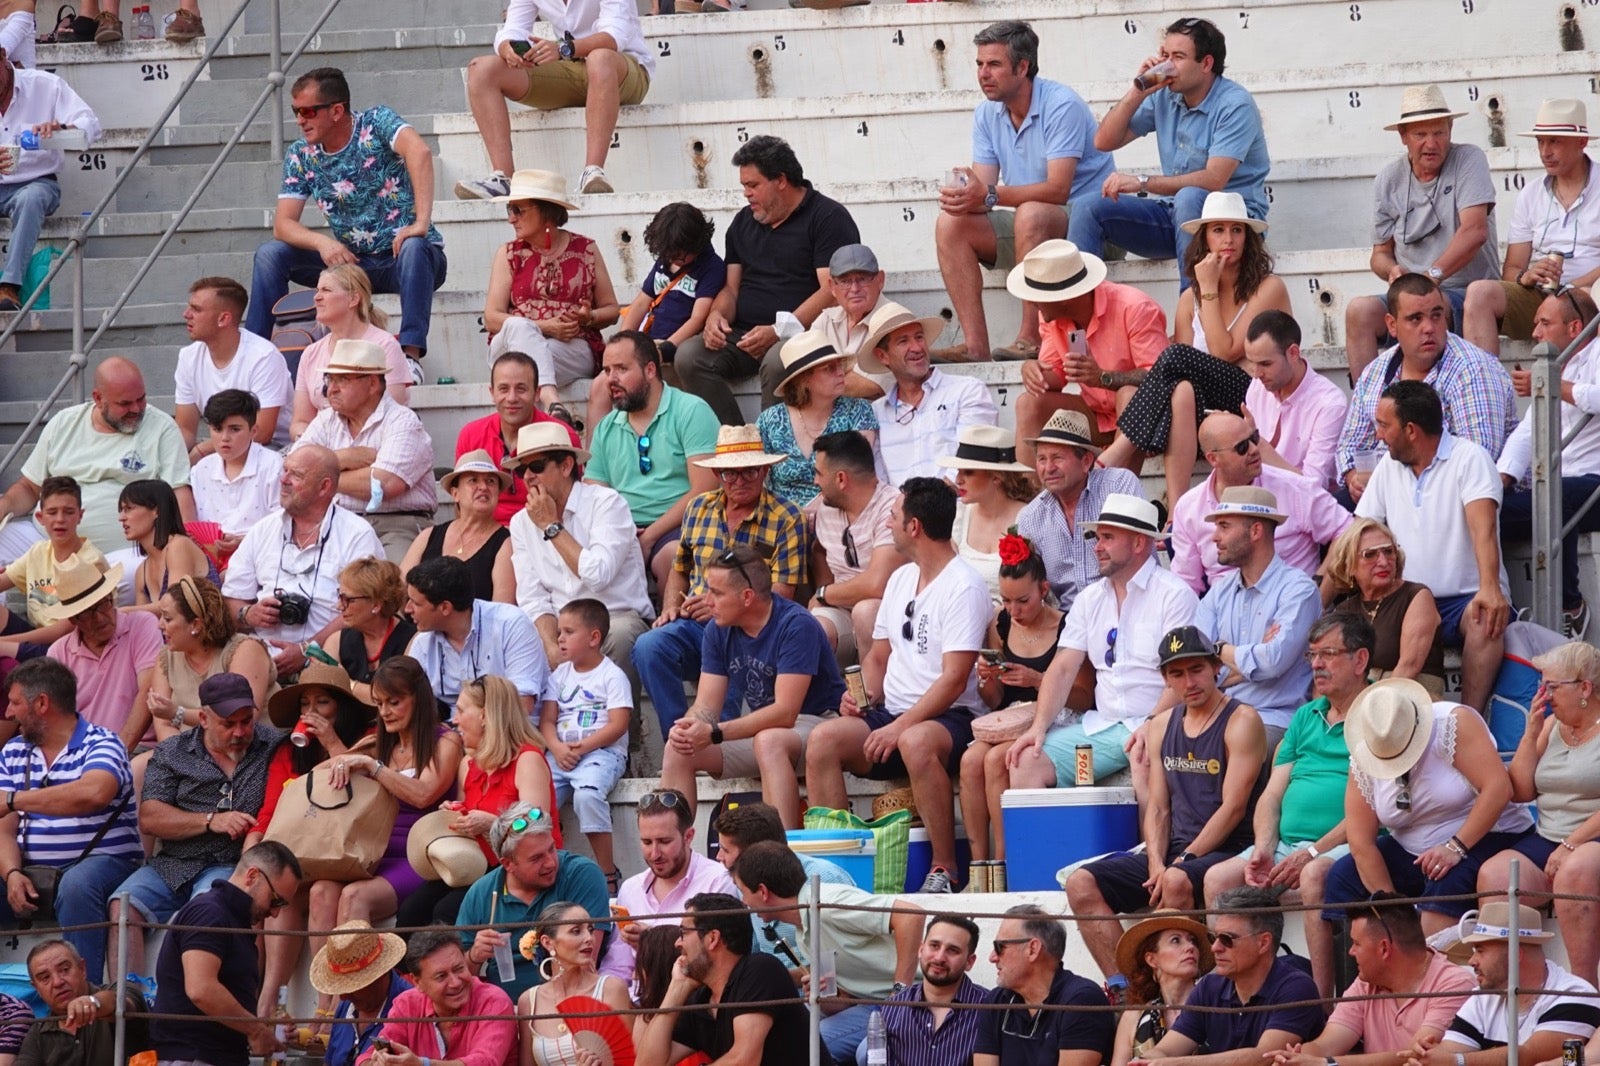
(717, 966)
(778, 250)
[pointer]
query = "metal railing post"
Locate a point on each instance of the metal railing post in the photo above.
(1513, 958)
(813, 1001)
(275, 78)
(120, 1044)
(1545, 410)
(80, 358)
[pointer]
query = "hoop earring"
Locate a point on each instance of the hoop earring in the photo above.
(547, 969)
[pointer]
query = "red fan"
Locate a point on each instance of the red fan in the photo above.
(606, 1034)
(206, 535)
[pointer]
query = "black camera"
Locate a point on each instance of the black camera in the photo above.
(293, 608)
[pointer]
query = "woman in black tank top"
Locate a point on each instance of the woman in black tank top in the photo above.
(473, 536)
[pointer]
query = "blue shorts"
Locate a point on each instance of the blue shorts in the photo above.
(1110, 755)
(600, 770)
(1451, 608)
(957, 721)
(151, 897)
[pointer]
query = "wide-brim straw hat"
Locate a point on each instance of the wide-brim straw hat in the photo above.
(536, 438)
(739, 446)
(283, 709)
(887, 317)
(1124, 511)
(357, 357)
(79, 586)
(1223, 207)
(476, 461)
(1493, 922)
(1056, 270)
(354, 956)
(1389, 726)
(1128, 955)
(438, 853)
(1560, 118)
(985, 448)
(1422, 103)
(1248, 501)
(545, 186)
(805, 351)
(1070, 428)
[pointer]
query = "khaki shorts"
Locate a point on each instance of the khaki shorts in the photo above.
(839, 619)
(739, 756)
(1521, 305)
(565, 83)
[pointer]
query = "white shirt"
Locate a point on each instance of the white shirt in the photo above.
(1568, 1009)
(403, 446)
(1428, 515)
(910, 441)
(951, 614)
(268, 559)
(610, 568)
(1539, 219)
(1582, 456)
(257, 367)
(238, 504)
(41, 97)
(1127, 689)
(619, 18)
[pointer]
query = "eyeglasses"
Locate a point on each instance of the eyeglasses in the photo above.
(646, 464)
(514, 211)
(1012, 1022)
(687, 930)
(666, 799)
(743, 473)
(225, 798)
(1379, 551)
(1111, 647)
(1316, 655)
(344, 601)
(1558, 684)
(1227, 940)
(904, 419)
(1244, 446)
(850, 555)
(527, 821)
(1402, 798)
(905, 629)
(854, 281)
(311, 111)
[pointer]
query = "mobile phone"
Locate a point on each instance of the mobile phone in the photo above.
(1076, 342)
(993, 656)
(522, 48)
(381, 1044)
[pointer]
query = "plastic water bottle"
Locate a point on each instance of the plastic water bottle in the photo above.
(877, 1041)
(70, 140)
(144, 27)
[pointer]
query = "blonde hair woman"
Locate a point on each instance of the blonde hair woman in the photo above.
(344, 306)
(570, 969)
(1365, 571)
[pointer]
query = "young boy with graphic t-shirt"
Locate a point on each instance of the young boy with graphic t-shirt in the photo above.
(34, 571)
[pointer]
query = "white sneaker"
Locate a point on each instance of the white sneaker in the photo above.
(495, 184)
(593, 180)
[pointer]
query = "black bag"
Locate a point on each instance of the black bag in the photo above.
(46, 879)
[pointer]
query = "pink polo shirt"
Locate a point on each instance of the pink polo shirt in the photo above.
(1315, 518)
(1305, 426)
(637, 896)
(489, 1043)
(1127, 332)
(1392, 1024)
(108, 683)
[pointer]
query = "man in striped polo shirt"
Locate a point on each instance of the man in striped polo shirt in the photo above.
(67, 792)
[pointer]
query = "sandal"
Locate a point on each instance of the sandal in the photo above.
(613, 882)
(66, 18)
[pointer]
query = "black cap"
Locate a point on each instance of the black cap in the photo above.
(1186, 642)
(226, 694)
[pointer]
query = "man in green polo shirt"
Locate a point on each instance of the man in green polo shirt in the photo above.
(1300, 817)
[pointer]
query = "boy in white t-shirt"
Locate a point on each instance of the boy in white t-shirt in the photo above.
(236, 485)
(587, 704)
(34, 571)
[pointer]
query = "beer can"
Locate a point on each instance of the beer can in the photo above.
(857, 685)
(1083, 766)
(1572, 1053)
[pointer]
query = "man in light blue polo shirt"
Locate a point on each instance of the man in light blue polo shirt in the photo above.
(1208, 132)
(1032, 150)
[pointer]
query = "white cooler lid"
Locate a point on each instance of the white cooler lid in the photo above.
(1089, 796)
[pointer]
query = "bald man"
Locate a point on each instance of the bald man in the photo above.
(1232, 446)
(283, 581)
(103, 444)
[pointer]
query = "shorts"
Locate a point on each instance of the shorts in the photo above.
(1521, 305)
(1120, 878)
(739, 756)
(600, 770)
(1061, 748)
(1451, 608)
(840, 620)
(1284, 850)
(1005, 239)
(156, 902)
(565, 83)
(667, 540)
(1344, 883)
(957, 721)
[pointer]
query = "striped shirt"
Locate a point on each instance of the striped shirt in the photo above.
(1563, 1008)
(776, 529)
(1069, 562)
(58, 840)
(913, 1039)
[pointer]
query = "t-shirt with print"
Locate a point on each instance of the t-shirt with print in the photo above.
(1422, 217)
(363, 189)
(34, 573)
(792, 642)
(951, 614)
(585, 698)
(703, 279)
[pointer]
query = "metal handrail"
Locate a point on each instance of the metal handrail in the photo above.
(273, 91)
(1549, 523)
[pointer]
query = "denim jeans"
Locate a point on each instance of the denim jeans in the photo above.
(666, 657)
(844, 1033)
(415, 276)
(1516, 524)
(26, 205)
(83, 897)
(1147, 227)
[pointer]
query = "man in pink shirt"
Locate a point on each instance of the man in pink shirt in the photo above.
(1123, 332)
(514, 388)
(1392, 958)
(113, 653)
(1234, 450)
(676, 873)
(445, 990)
(1298, 411)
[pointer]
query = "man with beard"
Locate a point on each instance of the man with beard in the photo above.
(202, 791)
(936, 1033)
(674, 872)
(1300, 817)
(103, 444)
(717, 966)
(82, 1027)
(208, 971)
(852, 551)
(649, 448)
(1028, 948)
(513, 388)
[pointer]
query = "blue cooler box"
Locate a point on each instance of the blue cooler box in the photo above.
(854, 850)
(1048, 828)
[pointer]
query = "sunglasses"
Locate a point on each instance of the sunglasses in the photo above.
(527, 821)
(1001, 945)
(1227, 940)
(311, 111)
(1402, 798)
(850, 554)
(1111, 647)
(1244, 446)
(665, 799)
(905, 628)
(1380, 551)
(646, 464)
(533, 466)
(730, 559)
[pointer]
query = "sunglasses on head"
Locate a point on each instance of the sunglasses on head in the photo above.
(666, 799)
(527, 821)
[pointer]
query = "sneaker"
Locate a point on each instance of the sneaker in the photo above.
(1575, 623)
(10, 298)
(938, 881)
(593, 180)
(496, 184)
(107, 29)
(185, 26)
(561, 412)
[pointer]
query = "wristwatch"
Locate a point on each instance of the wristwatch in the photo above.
(1144, 185)
(716, 732)
(991, 198)
(568, 49)
(822, 595)
(1435, 273)
(1311, 849)
(553, 530)
(1106, 379)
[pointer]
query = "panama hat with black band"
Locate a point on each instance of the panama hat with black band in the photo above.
(1054, 272)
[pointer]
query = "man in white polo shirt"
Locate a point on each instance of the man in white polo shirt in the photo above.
(1441, 496)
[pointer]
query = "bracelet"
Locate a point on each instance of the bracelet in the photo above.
(11, 801)
(1461, 845)
(1208, 296)
(178, 717)
(210, 816)
(244, 615)
(1461, 1059)
(13, 870)
(1453, 845)
(1568, 845)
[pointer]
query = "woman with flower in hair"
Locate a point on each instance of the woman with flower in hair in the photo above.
(569, 961)
(1021, 644)
(993, 488)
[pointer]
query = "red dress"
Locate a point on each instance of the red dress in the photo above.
(545, 287)
(497, 791)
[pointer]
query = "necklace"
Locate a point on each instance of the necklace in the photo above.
(1206, 724)
(1371, 607)
(1574, 740)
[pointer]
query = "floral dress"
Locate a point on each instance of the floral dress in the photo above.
(550, 286)
(795, 479)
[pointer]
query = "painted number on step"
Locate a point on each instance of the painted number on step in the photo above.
(1466, 7)
(899, 37)
(1514, 181)
(616, 139)
(154, 71)
(1472, 91)
(1314, 285)
(91, 160)
(1130, 27)
(778, 43)
(861, 128)
(1244, 20)
(1355, 97)
(664, 48)
(1355, 12)
(907, 214)
(1267, 189)
(742, 133)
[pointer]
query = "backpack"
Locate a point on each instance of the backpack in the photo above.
(295, 327)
